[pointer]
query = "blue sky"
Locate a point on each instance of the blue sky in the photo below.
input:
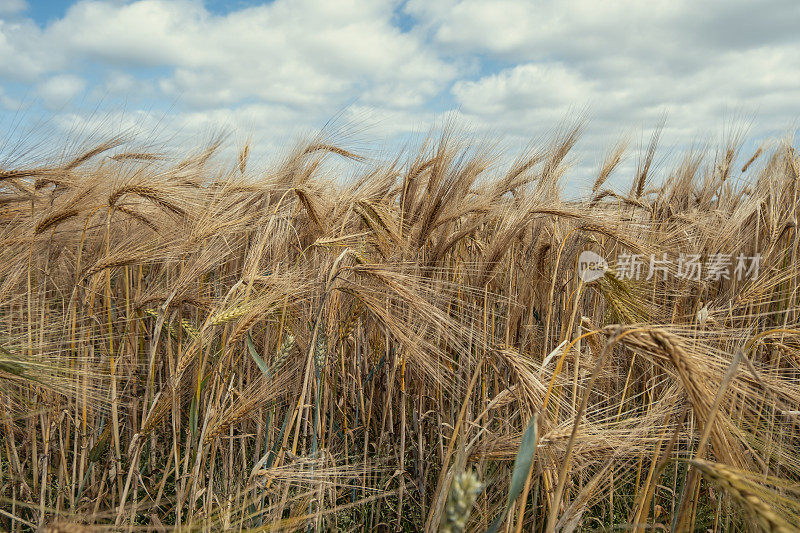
(507, 70)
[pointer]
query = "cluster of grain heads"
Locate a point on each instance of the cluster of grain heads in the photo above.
(193, 344)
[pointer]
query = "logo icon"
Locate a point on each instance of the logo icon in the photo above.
(591, 266)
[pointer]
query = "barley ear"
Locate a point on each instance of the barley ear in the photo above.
(463, 491)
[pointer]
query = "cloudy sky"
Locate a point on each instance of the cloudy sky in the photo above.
(511, 70)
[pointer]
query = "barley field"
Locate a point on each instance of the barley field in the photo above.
(191, 343)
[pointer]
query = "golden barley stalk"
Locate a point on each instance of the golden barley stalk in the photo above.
(742, 492)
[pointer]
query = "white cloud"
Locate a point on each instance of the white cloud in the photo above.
(271, 128)
(524, 87)
(511, 68)
(302, 53)
(12, 104)
(60, 90)
(24, 55)
(10, 7)
(119, 82)
(626, 63)
(279, 70)
(627, 57)
(669, 31)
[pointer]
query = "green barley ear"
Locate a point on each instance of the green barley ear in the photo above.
(170, 327)
(190, 329)
(463, 491)
(283, 352)
(229, 314)
(321, 349)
